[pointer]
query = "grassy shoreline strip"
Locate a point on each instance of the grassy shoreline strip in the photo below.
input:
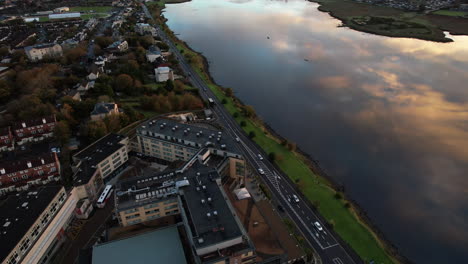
(318, 190)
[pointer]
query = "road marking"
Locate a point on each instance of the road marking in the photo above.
(337, 261)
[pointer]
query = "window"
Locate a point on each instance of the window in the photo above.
(53, 169)
(132, 216)
(153, 216)
(24, 177)
(149, 206)
(15, 179)
(152, 211)
(171, 207)
(134, 222)
(130, 211)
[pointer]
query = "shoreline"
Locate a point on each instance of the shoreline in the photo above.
(357, 211)
(431, 27)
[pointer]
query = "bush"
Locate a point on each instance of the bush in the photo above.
(337, 196)
(243, 123)
(272, 156)
(236, 115)
(224, 101)
(251, 134)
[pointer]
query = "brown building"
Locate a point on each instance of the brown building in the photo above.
(21, 174)
(34, 130)
(6, 139)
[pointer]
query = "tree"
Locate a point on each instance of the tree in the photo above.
(4, 50)
(272, 156)
(224, 101)
(73, 55)
(5, 91)
(62, 132)
(169, 85)
(251, 134)
(291, 146)
(103, 41)
(229, 92)
(236, 115)
(248, 111)
(243, 123)
(179, 86)
(96, 129)
(124, 83)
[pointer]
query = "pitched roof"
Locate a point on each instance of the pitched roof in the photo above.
(103, 108)
(35, 122)
(17, 165)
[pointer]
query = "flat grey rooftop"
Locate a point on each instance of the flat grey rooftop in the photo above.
(172, 129)
(160, 246)
(209, 215)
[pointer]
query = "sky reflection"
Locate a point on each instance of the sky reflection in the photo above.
(388, 117)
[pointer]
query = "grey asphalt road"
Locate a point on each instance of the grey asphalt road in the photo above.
(323, 241)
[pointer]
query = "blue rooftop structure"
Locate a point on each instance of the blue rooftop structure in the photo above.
(160, 246)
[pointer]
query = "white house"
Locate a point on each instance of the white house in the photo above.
(153, 53)
(93, 75)
(38, 52)
(163, 74)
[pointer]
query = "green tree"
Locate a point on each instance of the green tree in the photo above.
(5, 91)
(96, 129)
(251, 134)
(248, 111)
(124, 83)
(243, 123)
(272, 156)
(169, 85)
(62, 132)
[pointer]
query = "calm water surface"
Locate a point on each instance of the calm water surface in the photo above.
(386, 117)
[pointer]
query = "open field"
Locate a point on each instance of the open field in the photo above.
(95, 9)
(89, 16)
(400, 23)
(451, 13)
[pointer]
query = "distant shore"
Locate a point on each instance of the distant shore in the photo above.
(392, 22)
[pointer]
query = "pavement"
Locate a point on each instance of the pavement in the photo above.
(301, 213)
(86, 234)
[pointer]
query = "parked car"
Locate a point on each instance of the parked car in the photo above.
(260, 157)
(261, 171)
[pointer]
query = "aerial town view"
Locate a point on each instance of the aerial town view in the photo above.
(233, 131)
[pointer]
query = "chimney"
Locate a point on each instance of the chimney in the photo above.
(23, 124)
(29, 164)
(42, 161)
(2, 171)
(44, 121)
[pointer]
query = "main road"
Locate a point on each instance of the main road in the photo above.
(323, 241)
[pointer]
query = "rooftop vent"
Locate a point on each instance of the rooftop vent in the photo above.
(2, 171)
(29, 164)
(215, 213)
(198, 134)
(44, 121)
(173, 129)
(208, 215)
(6, 224)
(200, 240)
(202, 201)
(209, 199)
(42, 161)
(223, 146)
(23, 124)
(204, 187)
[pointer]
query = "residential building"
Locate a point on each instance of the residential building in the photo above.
(93, 75)
(160, 246)
(4, 71)
(22, 174)
(143, 29)
(153, 53)
(163, 74)
(194, 192)
(34, 130)
(7, 142)
(74, 94)
(101, 110)
(61, 9)
(32, 224)
(170, 140)
(102, 159)
(40, 51)
(118, 46)
(72, 15)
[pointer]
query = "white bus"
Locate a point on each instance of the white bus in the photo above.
(101, 202)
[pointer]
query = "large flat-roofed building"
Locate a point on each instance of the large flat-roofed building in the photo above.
(24, 220)
(22, 174)
(142, 199)
(160, 246)
(215, 232)
(170, 140)
(107, 155)
(193, 191)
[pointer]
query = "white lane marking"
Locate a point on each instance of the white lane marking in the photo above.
(337, 261)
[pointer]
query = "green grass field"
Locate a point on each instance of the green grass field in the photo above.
(451, 13)
(89, 16)
(96, 9)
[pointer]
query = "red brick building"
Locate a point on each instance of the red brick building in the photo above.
(21, 174)
(34, 130)
(6, 139)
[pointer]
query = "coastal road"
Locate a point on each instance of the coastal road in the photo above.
(323, 241)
